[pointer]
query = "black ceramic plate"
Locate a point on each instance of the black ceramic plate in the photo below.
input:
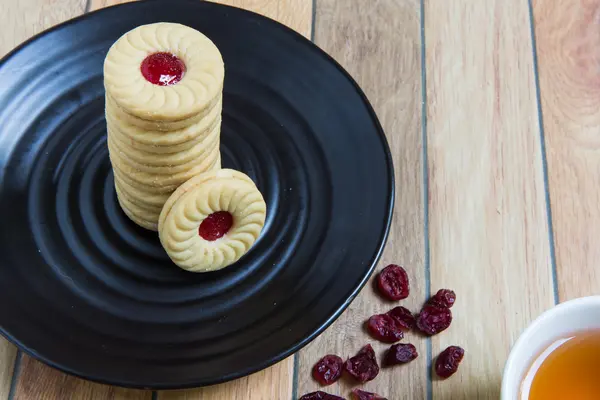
(87, 291)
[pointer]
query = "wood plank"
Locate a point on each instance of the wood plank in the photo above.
(378, 42)
(489, 233)
(18, 21)
(297, 14)
(39, 382)
(98, 4)
(269, 384)
(22, 19)
(277, 381)
(8, 353)
(568, 46)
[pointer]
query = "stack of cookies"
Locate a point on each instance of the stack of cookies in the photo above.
(164, 85)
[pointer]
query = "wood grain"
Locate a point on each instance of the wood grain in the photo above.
(297, 14)
(378, 42)
(19, 21)
(488, 224)
(568, 46)
(7, 361)
(98, 4)
(24, 18)
(272, 383)
(39, 382)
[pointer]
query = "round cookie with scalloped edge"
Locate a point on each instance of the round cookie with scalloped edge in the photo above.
(145, 162)
(201, 80)
(146, 135)
(141, 216)
(180, 225)
(161, 177)
(159, 190)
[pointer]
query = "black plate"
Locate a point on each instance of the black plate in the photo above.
(85, 290)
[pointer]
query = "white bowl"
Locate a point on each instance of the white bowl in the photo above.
(559, 322)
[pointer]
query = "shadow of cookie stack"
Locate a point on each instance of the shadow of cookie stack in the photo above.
(163, 86)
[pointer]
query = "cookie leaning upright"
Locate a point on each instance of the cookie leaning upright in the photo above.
(212, 220)
(164, 86)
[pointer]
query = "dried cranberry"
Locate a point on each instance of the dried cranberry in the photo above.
(443, 298)
(385, 328)
(363, 366)
(328, 369)
(362, 395)
(448, 360)
(393, 282)
(403, 317)
(320, 396)
(433, 319)
(400, 354)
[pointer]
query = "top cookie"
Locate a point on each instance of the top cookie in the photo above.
(194, 62)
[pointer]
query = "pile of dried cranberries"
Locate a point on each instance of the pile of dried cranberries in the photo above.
(390, 327)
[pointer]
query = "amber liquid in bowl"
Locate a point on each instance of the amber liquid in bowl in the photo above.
(568, 369)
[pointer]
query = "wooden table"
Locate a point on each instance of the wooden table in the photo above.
(492, 111)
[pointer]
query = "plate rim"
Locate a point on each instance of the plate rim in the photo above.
(296, 347)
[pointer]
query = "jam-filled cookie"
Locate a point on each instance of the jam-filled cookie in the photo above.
(146, 197)
(146, 135)
(163, 96)
(161, 177)
(158, 190)
(165, 163)
(180, 157)
(141, 216)
(212, 220)
(164, 72)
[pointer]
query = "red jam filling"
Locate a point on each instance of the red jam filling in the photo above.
(162, 69)
(216, 225)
